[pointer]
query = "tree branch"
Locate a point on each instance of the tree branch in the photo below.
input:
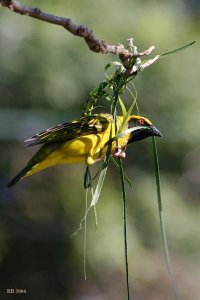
(98, 46)
(80, 30)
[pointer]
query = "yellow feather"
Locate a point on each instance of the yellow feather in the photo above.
(82, 141)
(87, 149)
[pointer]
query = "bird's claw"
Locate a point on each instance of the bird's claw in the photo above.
(119, 152)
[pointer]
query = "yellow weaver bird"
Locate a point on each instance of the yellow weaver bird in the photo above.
(84, 141)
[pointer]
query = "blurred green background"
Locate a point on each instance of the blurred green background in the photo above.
(45, 77)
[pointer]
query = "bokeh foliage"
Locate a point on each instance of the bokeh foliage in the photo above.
(45, 77)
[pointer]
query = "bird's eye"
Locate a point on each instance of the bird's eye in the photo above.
(141, 121)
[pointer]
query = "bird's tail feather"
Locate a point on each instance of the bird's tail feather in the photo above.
(39, 156)
(20, 175)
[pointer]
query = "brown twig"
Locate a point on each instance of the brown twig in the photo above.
(98, 46)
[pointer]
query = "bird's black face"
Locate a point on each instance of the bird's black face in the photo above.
(145, 129)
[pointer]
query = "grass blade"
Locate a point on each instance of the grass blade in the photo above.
(162, 225)
(126, 117)
(125, 176)
(136, 104)
(123, 108)
(124, 227)
(178, 49)
(99, 186)
(85, 237)
(102, 175)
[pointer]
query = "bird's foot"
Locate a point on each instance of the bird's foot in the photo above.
(119, 152)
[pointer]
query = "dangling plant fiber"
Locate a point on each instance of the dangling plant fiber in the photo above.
(124, 227)
(162, 225)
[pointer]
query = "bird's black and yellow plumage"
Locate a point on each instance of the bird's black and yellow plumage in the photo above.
(84, 140)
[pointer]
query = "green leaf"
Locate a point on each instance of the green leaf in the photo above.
(111, 65)
(128, 113)
(125, 120)
(103, 171)
(99, 186)
(123, 108)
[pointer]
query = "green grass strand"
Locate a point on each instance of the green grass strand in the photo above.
(124, 227)
(178, 49)
(85, 238)
(162, 225)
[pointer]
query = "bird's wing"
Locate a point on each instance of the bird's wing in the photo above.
(69, 131)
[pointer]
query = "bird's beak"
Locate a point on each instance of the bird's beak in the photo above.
(155, 131)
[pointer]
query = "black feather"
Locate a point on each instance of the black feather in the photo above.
(39, 156)
(69, 131)
(19, 176)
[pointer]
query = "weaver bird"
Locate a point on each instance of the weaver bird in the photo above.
(85, 140)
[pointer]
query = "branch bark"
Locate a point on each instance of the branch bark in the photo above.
(94, 44)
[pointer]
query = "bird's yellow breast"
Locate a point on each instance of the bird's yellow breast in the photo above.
(87, 149)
